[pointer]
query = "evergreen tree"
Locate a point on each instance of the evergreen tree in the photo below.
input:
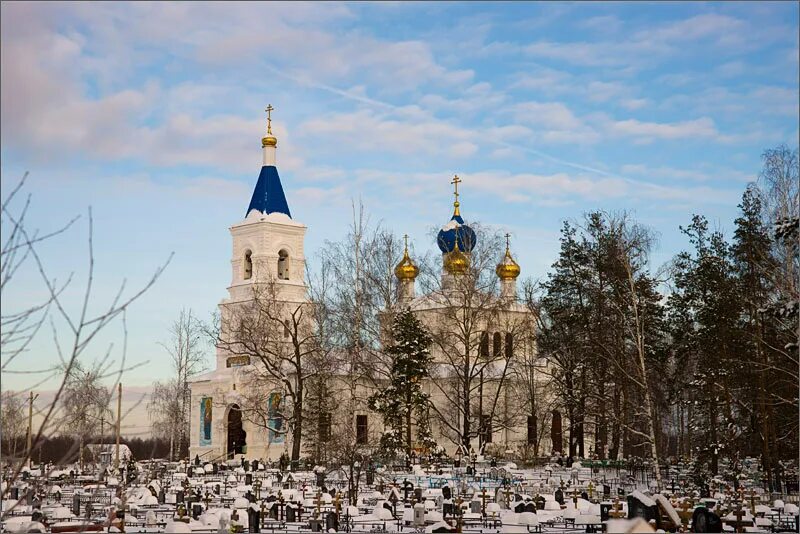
(403, 403)
(705, 308)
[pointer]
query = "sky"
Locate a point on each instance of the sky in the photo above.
(152, 114)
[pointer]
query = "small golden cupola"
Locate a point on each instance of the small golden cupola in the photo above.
(406, 269)
(269, 140)
(507, 269)
(455, 261)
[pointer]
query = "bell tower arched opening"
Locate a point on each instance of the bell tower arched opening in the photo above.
(247, 274)
(283, 265)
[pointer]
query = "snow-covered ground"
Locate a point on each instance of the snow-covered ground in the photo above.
(182, 497)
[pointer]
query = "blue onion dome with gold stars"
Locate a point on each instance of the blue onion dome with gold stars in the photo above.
(456, 232)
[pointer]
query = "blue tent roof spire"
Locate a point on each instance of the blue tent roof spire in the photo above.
(268, 196)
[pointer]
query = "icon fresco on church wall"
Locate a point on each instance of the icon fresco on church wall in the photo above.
(276, 434)
(206, 414)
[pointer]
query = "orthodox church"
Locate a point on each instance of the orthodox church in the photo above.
(481, 385)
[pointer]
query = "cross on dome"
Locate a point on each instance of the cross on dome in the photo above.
(456, 180)
(269, 111)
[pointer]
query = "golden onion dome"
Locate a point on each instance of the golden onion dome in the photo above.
(507, 269)
(406, 270)
(456, 262)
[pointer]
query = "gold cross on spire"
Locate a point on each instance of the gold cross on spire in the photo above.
(508, 240)
(405, 238)
(269, 111)
(456, 180)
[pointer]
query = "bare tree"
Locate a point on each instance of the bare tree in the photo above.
(85, 403)
(281, 341)
(72, 332)
(12, 421)
(166, 411)
(476, 335)
(187, 352)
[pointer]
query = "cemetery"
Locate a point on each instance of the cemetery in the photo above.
(475, 494)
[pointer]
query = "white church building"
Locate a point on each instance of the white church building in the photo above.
(268, 244)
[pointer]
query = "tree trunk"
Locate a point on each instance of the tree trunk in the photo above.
(297, 430)
(408, 423)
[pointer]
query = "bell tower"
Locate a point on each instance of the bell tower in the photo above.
(268, 243)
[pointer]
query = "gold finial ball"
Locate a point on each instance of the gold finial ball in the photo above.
(406, 270)
(507, 269)
(456, 262)
(269, 140)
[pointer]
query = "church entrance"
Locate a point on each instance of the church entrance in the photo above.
(237, 437)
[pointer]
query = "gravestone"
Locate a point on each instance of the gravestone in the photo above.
(605, 509)
(217, 489)
(332, 522)
(475, 507)
(530, 507)
(248, 479)
(273, 511)
(253, 520)
(519, 507)
(418, 494)
(14, 493)
(76, 505)
(540, 502)
(407, 488)
(637, 508)
(447, 493)
(559, 495)
(704, 520)
(445, 528)
(584, 496)
(291, 514)
(197, 509)
(315, 525)
(606, 491)
(179, 496)
(320, 478)
(370, 476)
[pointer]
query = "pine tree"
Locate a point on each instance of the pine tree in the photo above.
(705, 311)
(403, 403)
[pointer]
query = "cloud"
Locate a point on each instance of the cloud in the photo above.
(698, 128)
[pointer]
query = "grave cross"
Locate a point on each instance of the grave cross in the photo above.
(590, 487)
(616, 512)
(207, 499)
(739, 514)
(263, 515)
(507, 493)
(319, 503)
(483, 502)
(685, 511)
(753, 501)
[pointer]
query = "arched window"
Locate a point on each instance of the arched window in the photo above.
(484, 348)
(283, 265)
(497, 345)
(509, 345)
(248, 265)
